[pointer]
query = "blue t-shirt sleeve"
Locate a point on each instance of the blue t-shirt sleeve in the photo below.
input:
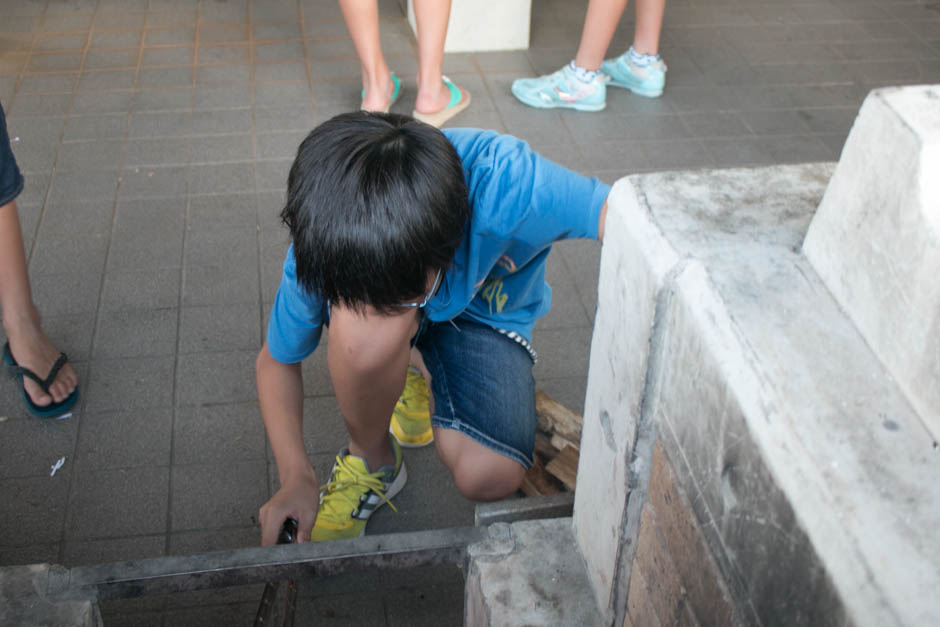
(296, 319)
(533, 198)
(564, 204)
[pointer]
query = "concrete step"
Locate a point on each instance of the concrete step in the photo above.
(529, 573)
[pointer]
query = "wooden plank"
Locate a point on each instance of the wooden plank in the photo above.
(553, 417)
(537, 482)
(543, 447)
(564, 466)
(560, 443)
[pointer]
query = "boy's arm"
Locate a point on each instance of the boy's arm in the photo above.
(280, 395)
(601, 222)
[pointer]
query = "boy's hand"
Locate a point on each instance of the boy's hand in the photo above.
(298, 499)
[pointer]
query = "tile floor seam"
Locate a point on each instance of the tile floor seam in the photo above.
(258, 237)
(180, 302)
(67, 517)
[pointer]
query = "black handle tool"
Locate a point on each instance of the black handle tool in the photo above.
(263, 618)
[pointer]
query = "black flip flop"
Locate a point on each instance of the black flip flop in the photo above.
(43, 411)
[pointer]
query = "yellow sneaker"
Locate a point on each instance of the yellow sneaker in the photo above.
(353, 493)
(411, 420)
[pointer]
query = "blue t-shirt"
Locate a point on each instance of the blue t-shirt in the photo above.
(521, 204)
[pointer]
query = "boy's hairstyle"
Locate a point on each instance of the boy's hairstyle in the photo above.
(376, 203)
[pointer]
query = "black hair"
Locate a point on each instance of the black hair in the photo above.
(376, 202)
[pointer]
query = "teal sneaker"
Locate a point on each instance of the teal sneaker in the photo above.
(562, 90)
(644, 80)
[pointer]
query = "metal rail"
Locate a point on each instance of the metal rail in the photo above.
(163, 575)
(531, 508)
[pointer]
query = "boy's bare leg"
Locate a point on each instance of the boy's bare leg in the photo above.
(29, 345)
(362, 20)
(431, 18)
(600, 23)
(480, 473)
(368, 356)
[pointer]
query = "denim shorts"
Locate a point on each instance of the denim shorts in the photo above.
(11, 181)
(482, 384)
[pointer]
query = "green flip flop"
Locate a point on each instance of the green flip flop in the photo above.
(459, 100)
(396, 92)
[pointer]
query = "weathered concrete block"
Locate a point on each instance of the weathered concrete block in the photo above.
(634, 264)
(799, 452)
(807, 469)
(528, 573)
(875, 239)
(23, 600)
(722, 417)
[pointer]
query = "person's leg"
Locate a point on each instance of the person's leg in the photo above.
(480, 473)
(438, 99)
(368, 357)
(484, 406)
(431, 20)
(28, 344)
(362, 20)
(578, 85)
(640, 69)
(600, 24)
(649, 25)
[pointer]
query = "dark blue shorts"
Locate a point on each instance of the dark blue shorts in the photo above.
(482, 384)
(11, 181)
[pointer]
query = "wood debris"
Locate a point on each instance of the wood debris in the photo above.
(556, 448)
(537, 482)
(564, 466)
(555, 418)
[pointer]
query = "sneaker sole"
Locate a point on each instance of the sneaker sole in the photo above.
(539, 104)
(648, 93)
(404, 443)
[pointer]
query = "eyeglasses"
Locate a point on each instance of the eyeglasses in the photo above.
(424, 303)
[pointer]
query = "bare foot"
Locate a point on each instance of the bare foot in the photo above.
(433, 100)
(32, 349)
(378, 96)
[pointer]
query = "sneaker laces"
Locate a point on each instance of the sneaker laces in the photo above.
(341, 496)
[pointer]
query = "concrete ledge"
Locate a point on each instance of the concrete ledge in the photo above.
(875, 240)
(23, 600)
(809, 472)
(528, 573)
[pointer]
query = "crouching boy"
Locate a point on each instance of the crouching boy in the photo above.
(423, 254)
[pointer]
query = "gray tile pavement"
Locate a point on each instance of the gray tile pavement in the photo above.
(156, 137)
